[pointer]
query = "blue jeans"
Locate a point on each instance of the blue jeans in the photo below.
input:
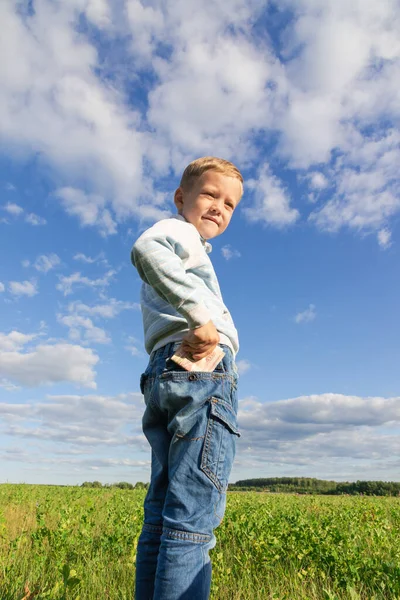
(190, 422)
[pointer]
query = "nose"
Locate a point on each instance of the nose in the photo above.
(215, 208)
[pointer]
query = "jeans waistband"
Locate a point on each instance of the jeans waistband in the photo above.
(166, 351)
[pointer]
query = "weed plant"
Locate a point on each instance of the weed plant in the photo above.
(71, 543)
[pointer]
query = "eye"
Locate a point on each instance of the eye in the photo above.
(230, 205)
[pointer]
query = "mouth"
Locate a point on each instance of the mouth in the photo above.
(211, 219)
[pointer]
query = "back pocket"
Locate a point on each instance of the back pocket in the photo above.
(219, 443)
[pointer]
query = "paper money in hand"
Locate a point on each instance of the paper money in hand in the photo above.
(207, 364)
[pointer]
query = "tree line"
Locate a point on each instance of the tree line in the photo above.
(299, 485)
(310, 485)
(123, 485)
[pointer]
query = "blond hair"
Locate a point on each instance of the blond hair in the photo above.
(207, 163)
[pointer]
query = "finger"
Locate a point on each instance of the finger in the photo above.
(199, 355)
(199, 347)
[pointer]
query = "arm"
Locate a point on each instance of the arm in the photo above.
(158, 260)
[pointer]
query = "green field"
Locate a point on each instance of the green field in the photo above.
(75, 543)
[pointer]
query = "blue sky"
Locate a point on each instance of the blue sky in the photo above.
(102, 105)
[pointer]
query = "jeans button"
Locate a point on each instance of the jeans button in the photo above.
(192, 377)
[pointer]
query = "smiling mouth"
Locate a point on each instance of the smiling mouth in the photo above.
(211, 219)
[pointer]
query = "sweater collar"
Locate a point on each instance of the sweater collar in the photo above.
(207, 245)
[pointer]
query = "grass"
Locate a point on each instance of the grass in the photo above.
(70, 543)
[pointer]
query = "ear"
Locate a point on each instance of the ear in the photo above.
(178, 199)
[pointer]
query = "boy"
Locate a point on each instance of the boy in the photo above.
(190, 417)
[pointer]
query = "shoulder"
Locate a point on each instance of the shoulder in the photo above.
(174, 229)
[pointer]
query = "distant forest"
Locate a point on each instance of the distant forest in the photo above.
(290, 485)
(309, 485)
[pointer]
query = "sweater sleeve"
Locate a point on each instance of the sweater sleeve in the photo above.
(158, 260)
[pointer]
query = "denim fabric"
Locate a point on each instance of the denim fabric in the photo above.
(190, 422)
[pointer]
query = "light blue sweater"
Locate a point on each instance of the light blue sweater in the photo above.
(180, 289)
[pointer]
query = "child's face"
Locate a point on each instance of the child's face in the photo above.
(210, 202)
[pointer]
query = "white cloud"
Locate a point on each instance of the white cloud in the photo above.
(333, 435)
(10, 187)
(317, 180)
(366, 188)
(228, 252)
(83, 258)
(83, 327)
(99, 12)
(8, 386)
(13, 209)
(243, 366)
(53, 101)
(384, 238)
(307, 416)
(49, 364)
(80, 256)
(45, 263)
(108, 310)
(15, 340)
(89, 208)
(33, 219)
(2, 288)
(132, 346)
(272, 201)
(334, 75)
(307, 315)
(215, 86)
(80, 421)
(23, 288)
(67, 282)
(133, 350)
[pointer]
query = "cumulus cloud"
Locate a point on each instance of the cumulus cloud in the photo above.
(228, 252)
(2, 287)
(317, 180)
(107, 310)
(34, 219)
(331, 434)
(48, 364)
(13, 209)
(23, 288)
(384, 238)
(272, 201)
(45, 263)
(211, 81)
(67, 283)
(132, 346)
(83, 328)
(8, 386)
(15, 340)
(79, 420)
(307, 315)
(366, 193)
(80, 256)
(53, 101)
(243, 366)
(89, 208)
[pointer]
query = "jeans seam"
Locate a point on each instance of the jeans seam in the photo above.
(206, 451)
(177, 534)
(152, 528)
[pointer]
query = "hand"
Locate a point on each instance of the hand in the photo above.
(200, 342)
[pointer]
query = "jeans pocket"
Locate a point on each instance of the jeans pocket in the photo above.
(219, 443)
